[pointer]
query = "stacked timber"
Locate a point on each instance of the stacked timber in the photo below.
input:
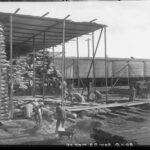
(4, 64)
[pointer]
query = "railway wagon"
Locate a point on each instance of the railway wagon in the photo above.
(125, 69)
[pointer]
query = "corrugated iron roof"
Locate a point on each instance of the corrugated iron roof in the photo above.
(26, 27)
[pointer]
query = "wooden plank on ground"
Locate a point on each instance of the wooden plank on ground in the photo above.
(131, 113)
(135, 112)
(128, 104)
(121, 113)
(114, 114)
(100, 116)
(141, 110)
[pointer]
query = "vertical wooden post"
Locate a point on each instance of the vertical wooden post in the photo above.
(112, 76)
(78, 63)
(11, 69)
(43, 66)
(94, 55)
(34, 69)
(63, 63)
(144, 73)
(88, 44)
(53, 53)
(73, 71)
(128, 75)
(94, 82)
(106, 76)
(112, 81)
(88, 47)
(63, 59)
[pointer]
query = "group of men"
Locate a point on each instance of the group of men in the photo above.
(60, 111)
(35, 108)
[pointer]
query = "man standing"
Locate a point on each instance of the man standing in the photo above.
(132, 94)
(37, 109)
(98, 95)
(61, 117)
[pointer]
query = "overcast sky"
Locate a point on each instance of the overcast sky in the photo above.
(128, 32)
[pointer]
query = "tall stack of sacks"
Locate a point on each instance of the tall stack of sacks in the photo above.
(19, 70)
(4, 101)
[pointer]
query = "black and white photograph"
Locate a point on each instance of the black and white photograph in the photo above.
(75, 74)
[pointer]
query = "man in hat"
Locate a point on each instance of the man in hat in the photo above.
(60, 116)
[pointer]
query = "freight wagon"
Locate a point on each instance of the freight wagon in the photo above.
(123, 70)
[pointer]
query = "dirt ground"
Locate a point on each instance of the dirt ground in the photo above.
(24, 132)
(131, 124)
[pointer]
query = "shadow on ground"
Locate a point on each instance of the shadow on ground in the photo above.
(103, 137)
(31, 131)
(136, 119)
(8, 129)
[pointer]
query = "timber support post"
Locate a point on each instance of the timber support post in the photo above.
(63, 60)
(106, 65)
(34, 68)
(78, 63)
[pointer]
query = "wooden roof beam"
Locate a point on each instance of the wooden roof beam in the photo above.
(33, 29)
(45, 14)
(16, 31)
(16, 11)
(55, 37)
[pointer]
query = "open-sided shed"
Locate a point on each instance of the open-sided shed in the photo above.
(21, 34)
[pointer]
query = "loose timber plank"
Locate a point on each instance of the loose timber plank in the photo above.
(100, 116)
(128, 104)
(136, 112)
(141, 110)
(132, 113)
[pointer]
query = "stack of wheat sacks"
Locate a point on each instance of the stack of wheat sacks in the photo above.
(4, 101)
